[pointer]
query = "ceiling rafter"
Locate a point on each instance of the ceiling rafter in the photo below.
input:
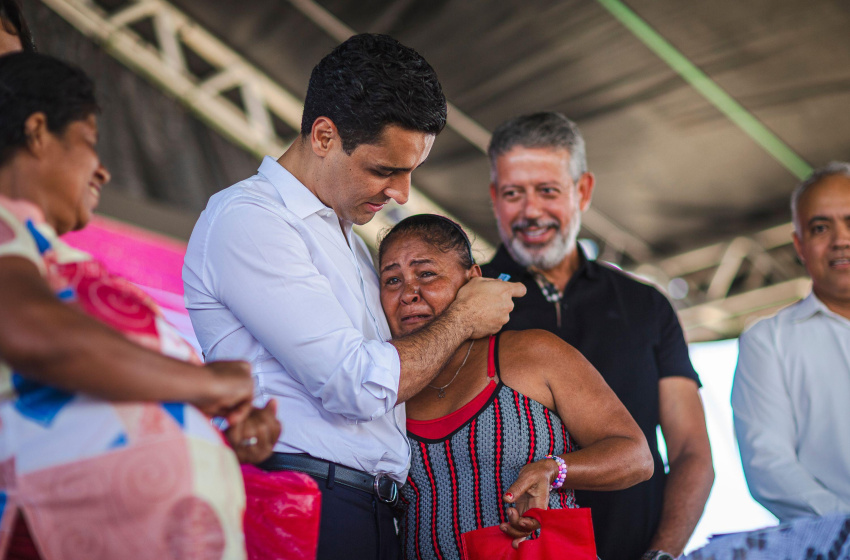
(709, 89)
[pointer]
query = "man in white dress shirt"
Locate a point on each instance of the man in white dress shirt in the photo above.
(274, 274)
(791, 395)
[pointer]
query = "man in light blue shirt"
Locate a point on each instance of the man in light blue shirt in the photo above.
(274, 274)
(791, 394)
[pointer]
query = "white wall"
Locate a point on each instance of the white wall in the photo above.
(730, 507)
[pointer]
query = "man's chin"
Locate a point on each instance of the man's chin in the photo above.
(543, 256)
(535, 250)
(361, 218)
(537, 256)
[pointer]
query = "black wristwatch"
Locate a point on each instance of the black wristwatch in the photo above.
(657, 555)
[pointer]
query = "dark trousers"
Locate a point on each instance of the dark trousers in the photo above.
(355, 525)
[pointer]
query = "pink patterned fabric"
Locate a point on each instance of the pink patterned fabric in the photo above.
(95, 479)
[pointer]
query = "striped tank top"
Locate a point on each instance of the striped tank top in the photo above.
(456, 483)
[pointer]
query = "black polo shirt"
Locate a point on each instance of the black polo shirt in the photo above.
(631, 334)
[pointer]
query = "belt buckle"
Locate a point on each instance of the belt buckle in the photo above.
(376, 486)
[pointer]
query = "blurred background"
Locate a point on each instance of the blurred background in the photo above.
(699, 118)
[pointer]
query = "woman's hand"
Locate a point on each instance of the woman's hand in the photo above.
(228, 392)
(253, 439)
(530, 490)
(56, 344)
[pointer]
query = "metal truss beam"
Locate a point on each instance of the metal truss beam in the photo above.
(248, 124)
(727, 317)
(732, 283)
(165, 65)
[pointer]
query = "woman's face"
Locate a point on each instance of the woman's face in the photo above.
(73, 175)
(419, 282)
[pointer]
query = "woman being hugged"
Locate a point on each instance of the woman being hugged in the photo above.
(520, 418)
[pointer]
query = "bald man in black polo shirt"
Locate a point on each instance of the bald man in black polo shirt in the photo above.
(627, 330)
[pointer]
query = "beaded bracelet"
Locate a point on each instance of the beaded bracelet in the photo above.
(562, 471)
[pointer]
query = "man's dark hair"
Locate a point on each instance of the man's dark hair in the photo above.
(13, 22)
(32, 83)
(370, 81)
(438, 231)
(539, 130)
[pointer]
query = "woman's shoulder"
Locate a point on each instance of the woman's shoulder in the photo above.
(534, 361)
(535, 345)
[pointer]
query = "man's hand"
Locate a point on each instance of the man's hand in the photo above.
(486, 304)
(253, 439)
(530, 490)
(482, 307)
(228, 392)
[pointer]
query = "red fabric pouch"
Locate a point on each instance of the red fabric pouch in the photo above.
(281, 515)
(564, 534)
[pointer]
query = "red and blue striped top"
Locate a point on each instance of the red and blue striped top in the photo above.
(457, 478)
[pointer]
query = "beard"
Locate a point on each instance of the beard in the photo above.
(544, 257)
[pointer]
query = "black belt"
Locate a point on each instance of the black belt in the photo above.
(381, 485)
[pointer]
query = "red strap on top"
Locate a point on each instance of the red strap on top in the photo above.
(491, 357)
(443, 426)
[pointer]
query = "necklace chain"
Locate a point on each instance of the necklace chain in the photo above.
(442, 390)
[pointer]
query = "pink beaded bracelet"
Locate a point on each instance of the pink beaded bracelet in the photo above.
(562, 471)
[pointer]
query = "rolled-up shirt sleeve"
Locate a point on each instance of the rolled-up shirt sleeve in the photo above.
(257, 264)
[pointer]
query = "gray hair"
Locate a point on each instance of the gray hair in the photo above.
(539, 130)
(832, 168)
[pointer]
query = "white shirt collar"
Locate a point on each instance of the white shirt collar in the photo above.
(811, 306)
(297, 197)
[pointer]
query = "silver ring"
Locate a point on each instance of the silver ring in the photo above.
(248, 442)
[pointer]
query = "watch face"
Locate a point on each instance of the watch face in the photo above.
(657, 555)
